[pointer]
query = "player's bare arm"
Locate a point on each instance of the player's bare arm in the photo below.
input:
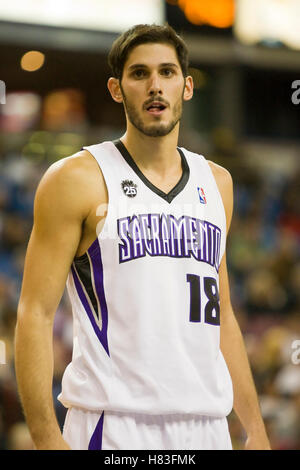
(245, 403)
(63, 203)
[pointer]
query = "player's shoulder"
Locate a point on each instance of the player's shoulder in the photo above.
(222, 175)
(75, 166)
(77, 172)
(225, 185)
(70, 183)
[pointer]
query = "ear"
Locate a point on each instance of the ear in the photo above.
(113, 85)
(188, 88)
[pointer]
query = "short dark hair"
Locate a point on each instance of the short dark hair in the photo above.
(143, 34)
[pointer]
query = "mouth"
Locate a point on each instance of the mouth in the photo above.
(156, 108)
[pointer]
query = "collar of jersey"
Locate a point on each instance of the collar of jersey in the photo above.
(168, 197)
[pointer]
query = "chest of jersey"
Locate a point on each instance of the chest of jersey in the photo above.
(185, 223)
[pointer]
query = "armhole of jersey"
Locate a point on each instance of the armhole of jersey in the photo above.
(104, 171)
(221, 205)
(218, 192)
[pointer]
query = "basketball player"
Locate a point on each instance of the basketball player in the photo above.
(137, 228)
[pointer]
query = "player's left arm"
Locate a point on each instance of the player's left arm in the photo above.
(246, 404)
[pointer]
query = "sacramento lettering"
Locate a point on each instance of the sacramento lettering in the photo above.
(165, 235)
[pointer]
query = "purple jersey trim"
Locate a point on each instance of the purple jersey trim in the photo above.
(97, 266)
(96, 439)
(90, 250)
(98, 279)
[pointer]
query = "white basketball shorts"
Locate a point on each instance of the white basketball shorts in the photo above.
(109, 430)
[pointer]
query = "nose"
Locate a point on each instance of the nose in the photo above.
(155, 85)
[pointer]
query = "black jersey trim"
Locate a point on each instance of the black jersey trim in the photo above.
(166, 196)
(85, 275)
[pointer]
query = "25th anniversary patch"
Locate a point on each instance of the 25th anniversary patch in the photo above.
(129, 188)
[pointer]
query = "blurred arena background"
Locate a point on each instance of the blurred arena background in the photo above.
(245, 115)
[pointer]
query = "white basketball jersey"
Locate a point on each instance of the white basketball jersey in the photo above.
(145, 296)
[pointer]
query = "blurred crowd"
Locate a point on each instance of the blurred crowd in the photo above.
(264, 268)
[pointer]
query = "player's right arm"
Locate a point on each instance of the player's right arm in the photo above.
(60, 207)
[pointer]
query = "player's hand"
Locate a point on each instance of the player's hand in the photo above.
(257, 442)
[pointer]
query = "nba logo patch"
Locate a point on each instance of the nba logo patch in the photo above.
(202, 195)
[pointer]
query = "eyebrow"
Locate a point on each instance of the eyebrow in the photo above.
(164, 64)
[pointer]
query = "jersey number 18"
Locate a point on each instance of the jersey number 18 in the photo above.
(212, 307)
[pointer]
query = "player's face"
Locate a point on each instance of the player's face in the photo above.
(153, 89)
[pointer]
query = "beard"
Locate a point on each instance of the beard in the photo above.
(156, 129)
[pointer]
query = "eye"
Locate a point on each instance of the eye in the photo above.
(139, 73)
(167, 72)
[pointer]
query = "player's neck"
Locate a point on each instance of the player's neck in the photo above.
(157, 153)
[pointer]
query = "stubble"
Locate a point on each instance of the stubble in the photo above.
(157, 129)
